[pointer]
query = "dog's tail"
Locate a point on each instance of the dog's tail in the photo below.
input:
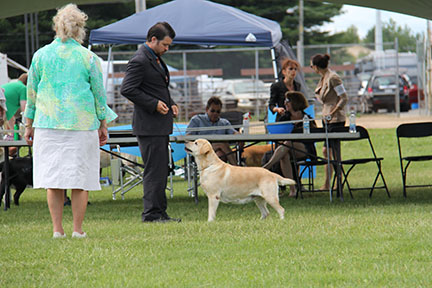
(285, 181)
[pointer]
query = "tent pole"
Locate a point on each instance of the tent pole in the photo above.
(185, 89)
(273, 56)
(108, 67)
(257, 95)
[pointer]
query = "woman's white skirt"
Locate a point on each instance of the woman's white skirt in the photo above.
(66, 159)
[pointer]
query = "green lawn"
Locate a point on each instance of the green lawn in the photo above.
(360, 242)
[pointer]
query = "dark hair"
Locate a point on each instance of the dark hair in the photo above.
(320, 60)
(287, 62)
(297, 99)
(214, 100)
(160, 30)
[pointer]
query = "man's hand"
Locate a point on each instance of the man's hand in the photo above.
(29, 135)
(162, 108)
(2, 116)
(175, 110)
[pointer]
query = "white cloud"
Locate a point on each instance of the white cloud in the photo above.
(364, 19)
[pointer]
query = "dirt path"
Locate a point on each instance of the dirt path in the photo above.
(376, 120)
(386, 120)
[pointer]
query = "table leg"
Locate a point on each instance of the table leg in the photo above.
(337, 159)
(6, 178)
(195, 179)
(238, 152)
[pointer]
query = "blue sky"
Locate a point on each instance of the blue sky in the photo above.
(364, 20)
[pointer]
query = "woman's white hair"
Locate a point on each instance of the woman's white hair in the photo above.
(69, 22)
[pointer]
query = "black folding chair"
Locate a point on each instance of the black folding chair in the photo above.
(412, 130)
(306, 164)
(235, 118)
(353, 162)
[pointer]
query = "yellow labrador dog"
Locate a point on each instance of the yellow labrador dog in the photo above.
(227, 183)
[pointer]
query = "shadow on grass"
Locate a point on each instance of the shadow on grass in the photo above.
(379, 198)
(183, 206)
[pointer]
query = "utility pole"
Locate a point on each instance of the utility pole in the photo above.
(27, 47)
(291, 11)
(300, 51)
(140, 5)
(428, 88)
(397, 94)
(378, 32)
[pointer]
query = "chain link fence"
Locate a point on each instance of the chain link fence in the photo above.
(198, 74)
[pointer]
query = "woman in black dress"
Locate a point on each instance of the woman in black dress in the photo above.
(278, 89)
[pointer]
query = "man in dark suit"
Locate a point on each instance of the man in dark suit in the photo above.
(146, 85)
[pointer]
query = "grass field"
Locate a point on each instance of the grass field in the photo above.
(360, 242)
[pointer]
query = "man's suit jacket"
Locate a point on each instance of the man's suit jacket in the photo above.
(145, 83)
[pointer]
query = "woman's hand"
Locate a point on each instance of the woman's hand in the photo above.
(103, 135)
(279, 110)
(29, 135)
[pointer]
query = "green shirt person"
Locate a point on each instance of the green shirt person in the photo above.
(16, 97)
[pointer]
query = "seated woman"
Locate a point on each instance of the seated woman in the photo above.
(295, 103)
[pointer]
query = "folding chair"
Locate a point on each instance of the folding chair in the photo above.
(353, 162)
(192, 177)
(412, 130)
(235, 118)
(305, 165)
(118, 170)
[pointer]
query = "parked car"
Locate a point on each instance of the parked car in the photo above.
(248, 92)
(413, 89)
(381, 90)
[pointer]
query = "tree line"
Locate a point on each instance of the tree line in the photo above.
(12, 30)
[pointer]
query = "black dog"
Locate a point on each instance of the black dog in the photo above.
(20, 175)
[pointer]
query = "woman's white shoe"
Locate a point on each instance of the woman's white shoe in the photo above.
(78, 235)
(59, 235)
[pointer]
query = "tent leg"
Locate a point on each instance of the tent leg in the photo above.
(273, 56)
(108, 67)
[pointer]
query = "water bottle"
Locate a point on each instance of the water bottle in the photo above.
(246, 123)
(16, 135)
(306, 126)
(352, 122)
